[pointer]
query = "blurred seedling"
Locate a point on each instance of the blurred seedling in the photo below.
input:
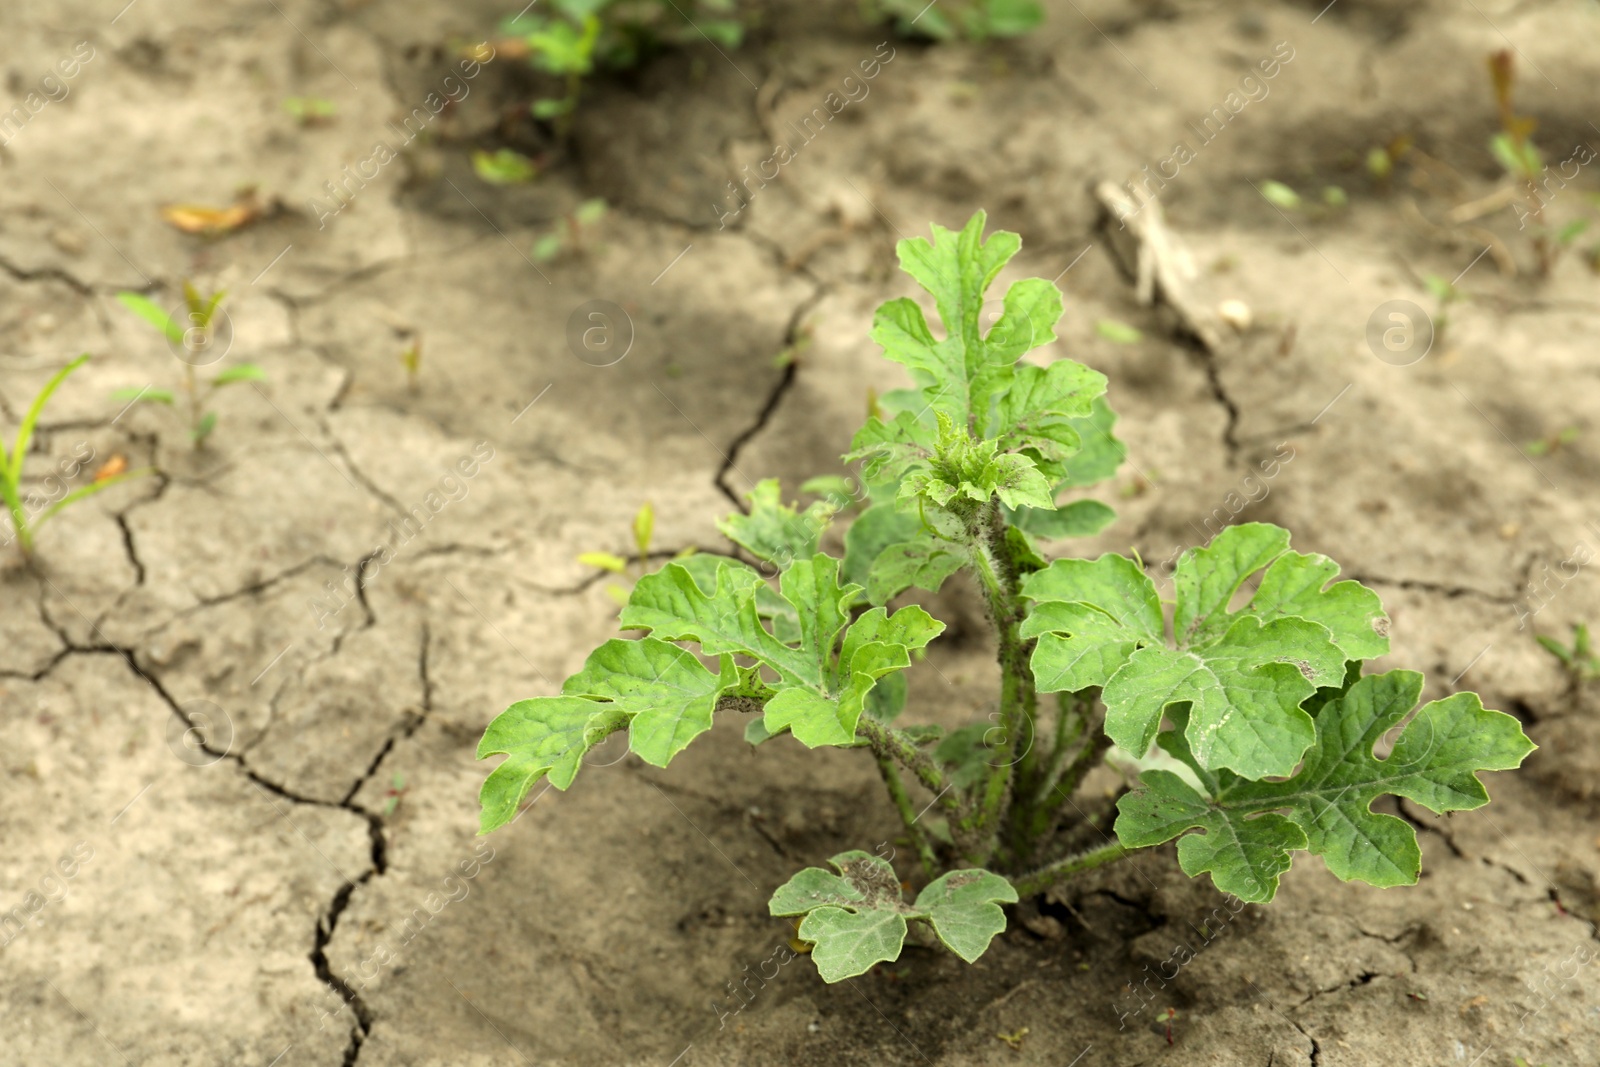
(1333, 199)
(1444, 294)
(1166, 1015)
(311, 110)
(1118, 332)
(504, 167)
(397, 789)
(792, 352)
(975, 20)
(580, 37)
(1014, 1039)
(28, 515)
(1513, 148)
(574, 233)
(644, 527)
(193, 341)
(1553, 443)
(1383, 159)
(411, 360)
(1578, 658)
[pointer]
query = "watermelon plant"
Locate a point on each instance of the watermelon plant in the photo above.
(1242, 699)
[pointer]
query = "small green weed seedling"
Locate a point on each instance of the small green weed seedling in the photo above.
(1554, 443)
(1444, 295)
(1249, 680)
(1579, 659)
(1334, 199)
(574, 234)
(976, 20)
(579, 37)
(411, 360)
(643, 531)
(192, 343)
(1514, 150)
(311, 110)
(504, 167)
(31, 512)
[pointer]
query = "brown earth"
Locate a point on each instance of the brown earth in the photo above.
(221, 908)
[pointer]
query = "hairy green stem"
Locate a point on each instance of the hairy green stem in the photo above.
(997, 574)
(1063, 869)
(908, 815)
(885, 741)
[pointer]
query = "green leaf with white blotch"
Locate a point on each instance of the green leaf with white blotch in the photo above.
(1246, 671)
(774, 531)
(963, 907)
(1245, 689)
(924, 563)
(823, 681)
(539, 737)
(1081, 518)
(1251, 827)
(857, 918)
(665, 692)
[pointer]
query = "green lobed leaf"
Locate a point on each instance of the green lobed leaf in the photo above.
(664, 690)
(1099, 454)
(857, 918)
(823, 682)
(1246, 672)
(540, 737)
(963, 907)
(1252, 826)
(774, 531)
(924, 563)
(1081, 518)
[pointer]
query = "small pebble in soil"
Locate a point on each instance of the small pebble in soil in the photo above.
(813, 1027)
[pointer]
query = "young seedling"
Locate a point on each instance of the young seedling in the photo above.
(644, 527)
(1250, 680)
(411, 360)
(1334, 199)
(311, 110)
(190, 344)
(579, 37)
(1579, 659)
(1553, 443)
(504, 167)
(976, 20)
(1514, 150)
(1444, 295)
(575, 233)
(29, 513)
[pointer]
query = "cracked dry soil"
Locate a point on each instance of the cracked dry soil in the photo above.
(306, 887)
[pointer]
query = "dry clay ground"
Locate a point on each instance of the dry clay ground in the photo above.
(225, 902)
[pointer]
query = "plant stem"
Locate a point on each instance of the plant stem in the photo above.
(908, 814)
(1063, 869)
(889, 742)
(997, 575)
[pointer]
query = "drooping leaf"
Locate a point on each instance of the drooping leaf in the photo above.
(663, 689)
(153, 313)
(241, 372)
(924, 563)
(1081, 518)
(1251, 827)
(963, 907)
(539, 737)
